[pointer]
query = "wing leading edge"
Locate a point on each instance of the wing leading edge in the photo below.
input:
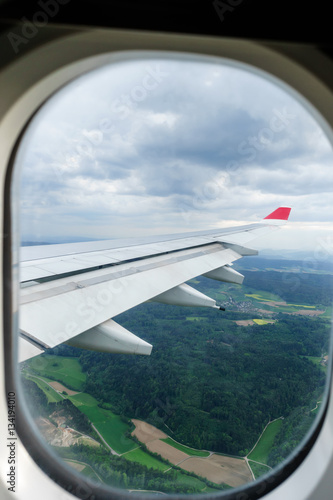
(70, 293)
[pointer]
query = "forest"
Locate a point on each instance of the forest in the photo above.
(213, 388)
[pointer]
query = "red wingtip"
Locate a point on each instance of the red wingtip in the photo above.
(281, 213)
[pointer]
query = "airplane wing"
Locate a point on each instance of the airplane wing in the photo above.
(70, 292)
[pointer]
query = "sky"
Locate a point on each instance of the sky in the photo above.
(168, 145)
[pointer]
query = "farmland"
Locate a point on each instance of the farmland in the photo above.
(212, 383)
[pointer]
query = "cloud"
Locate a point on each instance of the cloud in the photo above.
(168, 145)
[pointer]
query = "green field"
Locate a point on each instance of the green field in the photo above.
(265, 444)
(51, 394)
(83, 399)
(111, 427)
(65, 370)
(186, 449)
(144, 458)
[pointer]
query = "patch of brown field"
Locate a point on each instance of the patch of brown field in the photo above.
(308, 312)
(145, 432)
(166, 451)
(60, 388)
(216, 468)
(244, 322)
(219, 469)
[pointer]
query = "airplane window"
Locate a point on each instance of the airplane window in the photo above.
(134, 379)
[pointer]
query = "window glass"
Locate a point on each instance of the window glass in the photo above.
(154, 146)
